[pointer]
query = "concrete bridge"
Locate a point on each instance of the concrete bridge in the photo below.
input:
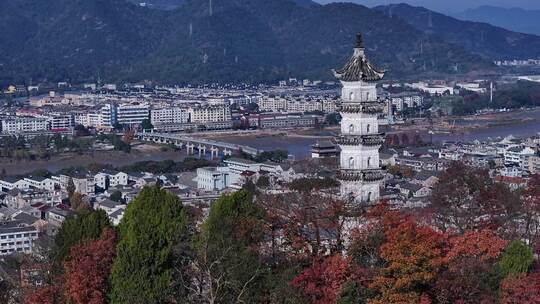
(201, 145)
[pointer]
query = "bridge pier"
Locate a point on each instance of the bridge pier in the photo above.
(190, 148)
(227, 152)
(214, 150)
(202, 150)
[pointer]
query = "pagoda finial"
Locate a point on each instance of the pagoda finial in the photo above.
(359, 43)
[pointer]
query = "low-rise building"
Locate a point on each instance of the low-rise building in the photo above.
(18, 125)
(213, 178)
(16, 237)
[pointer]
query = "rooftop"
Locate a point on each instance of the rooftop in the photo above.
(358, 68)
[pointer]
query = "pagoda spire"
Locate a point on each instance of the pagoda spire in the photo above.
(359, 41)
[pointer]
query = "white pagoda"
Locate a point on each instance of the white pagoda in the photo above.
(360, 174)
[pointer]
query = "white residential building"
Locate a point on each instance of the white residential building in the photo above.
(108, 116)
(517, 155)
(90, 119)
(61, 121)
(209, 114)
(19, 125)
(16, 237)
(213, 178)
(133, 113)
(172, 115)
(107, 179)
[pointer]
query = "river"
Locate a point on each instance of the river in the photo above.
(524, 124)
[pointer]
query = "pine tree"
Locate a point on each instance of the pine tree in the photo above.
(152, 225)
(86, 227)
(228, 251)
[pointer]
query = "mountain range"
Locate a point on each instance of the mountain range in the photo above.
(515, 19)
(237, 40)
(482, 39)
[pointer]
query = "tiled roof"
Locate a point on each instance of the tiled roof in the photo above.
(358, 67)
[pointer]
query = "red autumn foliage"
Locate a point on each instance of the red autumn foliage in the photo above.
(87, 271)
(43, 295)
(523, 289)
(484, 245)
(414, 255)
(531, 208)
(322, 282)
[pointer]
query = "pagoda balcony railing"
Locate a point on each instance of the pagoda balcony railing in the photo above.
(364, 107)
(365, 140)
(367, 175)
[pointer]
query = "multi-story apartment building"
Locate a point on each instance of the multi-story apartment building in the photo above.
(90, 119)
(213, 178)
(298, 104)
(19, 125)
(273, 104)
(303, 105)
(172, 115)
(16, 237)
(108, 116)
(516, 155)
(61, 121)
(209, 114)
(288, 121)
(84, 184)
(405, 100)
(133, 113)
(109, 178)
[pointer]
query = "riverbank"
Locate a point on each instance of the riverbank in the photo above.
(115, 158)
(519, 123)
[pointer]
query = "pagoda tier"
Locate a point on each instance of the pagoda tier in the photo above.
(364, 140)
(365, 107)
(364, 175)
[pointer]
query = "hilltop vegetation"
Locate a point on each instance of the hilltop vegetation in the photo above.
(242, 40)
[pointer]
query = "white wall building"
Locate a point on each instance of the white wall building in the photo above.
(133, 113)
(209, 114)
(108, 116)
(19, 125)
(61, 121)
(213, 178)
(15, 237)
(172, 115)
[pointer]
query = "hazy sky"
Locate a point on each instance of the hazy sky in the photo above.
(449, 5)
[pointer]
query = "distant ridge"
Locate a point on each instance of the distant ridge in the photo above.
(482, 39)
(235, 41)
(515, 19)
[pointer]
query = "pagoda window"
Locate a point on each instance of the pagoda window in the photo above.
(369, 161)
(351, 96)
(351, 128)
(368, 128)
(369, 197)
(367, 96)
(351, 163)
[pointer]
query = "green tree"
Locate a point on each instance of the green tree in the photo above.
(263, 182)
(152, 225)
(516, 259)
(228, 251)
(116, 196)
(70, 188)
(87, 226)
(146, 124)
(353, 292)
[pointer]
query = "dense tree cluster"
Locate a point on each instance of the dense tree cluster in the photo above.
(476, 242)
(522, 94)
(42, 147)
